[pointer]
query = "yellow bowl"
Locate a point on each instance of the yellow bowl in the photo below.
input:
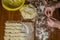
(12, 5)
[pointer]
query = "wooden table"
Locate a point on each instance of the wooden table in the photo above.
(10, 15)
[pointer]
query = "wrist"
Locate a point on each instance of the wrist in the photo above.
(57, 6)
(53, 7)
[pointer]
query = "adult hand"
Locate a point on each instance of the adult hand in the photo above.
(52, 22)
(49, 11)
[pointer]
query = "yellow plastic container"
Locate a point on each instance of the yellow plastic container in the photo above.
(12, 5)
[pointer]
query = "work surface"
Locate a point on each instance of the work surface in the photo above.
(9, 16)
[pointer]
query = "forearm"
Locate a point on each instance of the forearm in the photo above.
(57, 5)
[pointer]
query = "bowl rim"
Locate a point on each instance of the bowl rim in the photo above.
(12, 9)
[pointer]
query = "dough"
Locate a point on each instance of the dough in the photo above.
(28, 11)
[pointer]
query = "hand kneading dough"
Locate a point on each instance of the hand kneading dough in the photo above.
(28, 11)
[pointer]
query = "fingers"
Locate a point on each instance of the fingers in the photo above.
(52, 12)
(53, 19)
(49, 23)
(48, 12)
(50, 20)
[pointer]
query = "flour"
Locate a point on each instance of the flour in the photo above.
(42, 34)
(42, 29)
